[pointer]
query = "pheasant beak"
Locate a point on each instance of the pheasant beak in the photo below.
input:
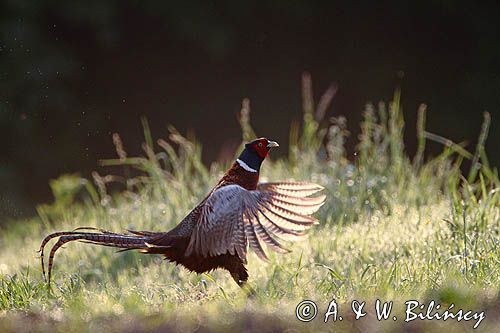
(272, 144)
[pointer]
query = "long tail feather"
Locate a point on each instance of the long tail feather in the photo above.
(103, 238)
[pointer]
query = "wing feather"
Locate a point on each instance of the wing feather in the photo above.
(266, 237)
(280, 231)
(289, 215)
(253, 240)
(296, 189)
(295, 205)
(233, 218)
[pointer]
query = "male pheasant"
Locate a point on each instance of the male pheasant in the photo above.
(236, 213)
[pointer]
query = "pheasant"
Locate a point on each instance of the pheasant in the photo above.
(238, 213)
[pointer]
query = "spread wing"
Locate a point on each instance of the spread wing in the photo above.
(233, 217)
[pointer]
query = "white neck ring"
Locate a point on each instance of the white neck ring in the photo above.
(245, 166)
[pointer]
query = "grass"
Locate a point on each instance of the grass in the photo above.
(393, 228)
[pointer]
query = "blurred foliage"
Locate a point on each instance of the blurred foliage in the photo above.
(48, 113)
(66, 190)
(393, 228)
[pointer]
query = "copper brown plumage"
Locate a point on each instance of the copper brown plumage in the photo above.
(237, 213)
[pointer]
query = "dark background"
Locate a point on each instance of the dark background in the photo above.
(74, 72)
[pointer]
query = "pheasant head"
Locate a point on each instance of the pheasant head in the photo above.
(254, 154)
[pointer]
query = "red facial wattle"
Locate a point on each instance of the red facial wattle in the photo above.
(262, 149)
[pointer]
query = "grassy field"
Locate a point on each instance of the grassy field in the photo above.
(393, 228)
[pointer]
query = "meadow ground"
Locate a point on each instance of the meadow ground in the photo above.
(392, 228)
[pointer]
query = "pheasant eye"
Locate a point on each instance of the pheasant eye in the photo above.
(260, 144)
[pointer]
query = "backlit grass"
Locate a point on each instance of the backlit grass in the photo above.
(393, 228)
